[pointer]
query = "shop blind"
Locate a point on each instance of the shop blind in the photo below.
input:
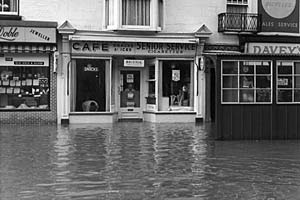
(26, 48)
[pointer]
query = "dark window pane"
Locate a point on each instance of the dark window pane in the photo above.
(285, 96)
(246, 69)
(230, 95)
(297, 96)
(263, 69)
(230, 82)
(282, 69)
(263, 82)
(230, 67)
(263, 96)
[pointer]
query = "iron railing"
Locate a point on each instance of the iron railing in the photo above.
(239, 22)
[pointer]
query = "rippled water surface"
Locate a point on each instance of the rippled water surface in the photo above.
(143, 161)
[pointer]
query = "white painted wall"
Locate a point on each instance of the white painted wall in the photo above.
(180, 16)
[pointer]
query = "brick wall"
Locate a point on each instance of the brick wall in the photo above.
(35, 117)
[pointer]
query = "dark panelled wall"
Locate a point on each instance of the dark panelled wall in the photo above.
(256, 121)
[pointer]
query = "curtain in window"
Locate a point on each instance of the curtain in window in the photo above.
(136, 12)
(9, 5)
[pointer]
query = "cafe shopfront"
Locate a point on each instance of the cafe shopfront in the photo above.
(27, 64)
(113, 78)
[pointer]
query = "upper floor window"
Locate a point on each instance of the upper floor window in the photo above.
(8, 7)
(133, 14)
(237, 6)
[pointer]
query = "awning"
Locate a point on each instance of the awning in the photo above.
(27, 48)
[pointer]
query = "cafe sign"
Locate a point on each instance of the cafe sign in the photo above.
(134, 48)
(27, 34)
(273, 48)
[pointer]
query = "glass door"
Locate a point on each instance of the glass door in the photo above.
(130, 94)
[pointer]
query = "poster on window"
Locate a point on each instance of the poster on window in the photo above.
(279, 15)
(130, 78)
(175, 75)
(283, 82)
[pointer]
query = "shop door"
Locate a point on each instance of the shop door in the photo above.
(130, 100)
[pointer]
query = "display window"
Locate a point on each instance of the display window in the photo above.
(24, 87)
(177, 85)
(90, 87)
(288, 81)
(246, 82)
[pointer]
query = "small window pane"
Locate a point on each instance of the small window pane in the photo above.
(263, 69)
(285, 96)
(263, 82)
(297, 68)
(285, 69)
(284, 82)
(246, 82)
(230, 82)
(297, 96)
(136, 12)
(246, 69)
(263, 95)
(230, 95)
(230, 67)
(297, 82)
(246, 95)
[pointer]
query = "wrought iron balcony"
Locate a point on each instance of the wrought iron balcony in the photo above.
(239, 22)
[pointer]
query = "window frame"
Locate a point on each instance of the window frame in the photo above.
(13, 13)
(254, 88)
(113, 19)
(292, 75)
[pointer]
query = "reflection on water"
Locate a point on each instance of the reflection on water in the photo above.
(143, 161)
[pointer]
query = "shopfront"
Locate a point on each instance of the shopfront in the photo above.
(113, 78)
(258, 92)
(27, 82)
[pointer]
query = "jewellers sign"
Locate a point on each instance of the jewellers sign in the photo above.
(273, 48)
(279, 15)
(27, 34)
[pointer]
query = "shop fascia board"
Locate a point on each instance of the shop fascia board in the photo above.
(40, 24)
(159, 38)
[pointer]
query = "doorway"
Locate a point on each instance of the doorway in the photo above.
(130, 94)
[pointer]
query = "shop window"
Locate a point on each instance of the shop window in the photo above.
(246, 82)
(9, 7)
(177, 83)
(24, 88)
(134, 15)
(90, 85)
(151, 99)
(288, 82)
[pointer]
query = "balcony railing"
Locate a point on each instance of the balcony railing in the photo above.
(239, 22)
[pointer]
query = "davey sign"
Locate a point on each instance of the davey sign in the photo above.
(279, 15)
(273, 48)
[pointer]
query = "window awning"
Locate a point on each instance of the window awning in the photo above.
(27, 48)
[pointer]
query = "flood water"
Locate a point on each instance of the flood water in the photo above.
(133, 161)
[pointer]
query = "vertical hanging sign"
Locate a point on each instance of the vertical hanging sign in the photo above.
(279, 15)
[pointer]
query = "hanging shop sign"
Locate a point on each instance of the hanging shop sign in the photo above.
(136, 48)
(27, 34)
(279, 16)
(134, 63)
(272, 48)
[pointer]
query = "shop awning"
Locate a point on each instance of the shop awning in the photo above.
(27, 48)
